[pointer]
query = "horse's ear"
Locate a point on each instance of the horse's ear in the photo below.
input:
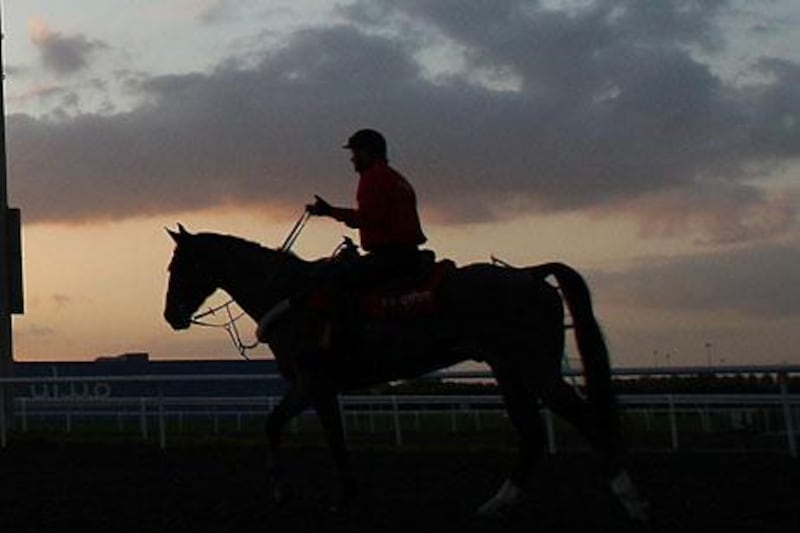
(175, 235)
(179, 235)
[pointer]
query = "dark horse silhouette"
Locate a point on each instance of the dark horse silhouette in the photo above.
(512, 319)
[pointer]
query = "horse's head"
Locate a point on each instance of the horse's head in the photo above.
(191, 281)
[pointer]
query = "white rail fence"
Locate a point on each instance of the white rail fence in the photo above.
(156, 414)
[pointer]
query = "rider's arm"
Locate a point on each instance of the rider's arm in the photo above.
(372, 197)
(347, 215)
(321, 208)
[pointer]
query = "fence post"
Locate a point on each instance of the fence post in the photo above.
(551, 436)
(143, 417)
(162, 425)
(342, 416)
(398, 434)
(3, 413)
(24, 408)
(791, 437)
(673, 423)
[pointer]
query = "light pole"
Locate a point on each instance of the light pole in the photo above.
(708, 354)
(6, 355)
(10, 251)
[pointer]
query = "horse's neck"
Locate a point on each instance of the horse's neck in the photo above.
(257, 283)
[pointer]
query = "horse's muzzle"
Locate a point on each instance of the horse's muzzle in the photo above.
(177, 320)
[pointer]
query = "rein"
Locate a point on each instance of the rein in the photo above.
(298, 227)
(230, 327)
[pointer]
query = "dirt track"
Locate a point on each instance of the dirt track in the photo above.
(124, 488)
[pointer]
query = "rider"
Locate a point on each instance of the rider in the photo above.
(385, 213)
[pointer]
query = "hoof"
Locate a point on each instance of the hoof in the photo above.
(637, 509)
(509, 497)
(282, 493)
(345, 497)
(338, 509)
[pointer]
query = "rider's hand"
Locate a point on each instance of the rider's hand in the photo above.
(319, 208)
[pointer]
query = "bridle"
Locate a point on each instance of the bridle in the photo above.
(229, 326)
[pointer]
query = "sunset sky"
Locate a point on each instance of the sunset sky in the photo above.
(652, 145)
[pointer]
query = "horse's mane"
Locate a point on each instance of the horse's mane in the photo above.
(231, 246)
(232, 242)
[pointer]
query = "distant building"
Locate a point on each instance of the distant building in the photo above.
(139, 364)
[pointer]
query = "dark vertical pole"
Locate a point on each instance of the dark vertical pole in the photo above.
(6, 352)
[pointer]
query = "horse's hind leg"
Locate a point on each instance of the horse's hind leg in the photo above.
(602, 430)
(326, 404)
(523, 411)
(293, 403)
(602, 436)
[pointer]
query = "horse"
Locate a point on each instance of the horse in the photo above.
(510, 318)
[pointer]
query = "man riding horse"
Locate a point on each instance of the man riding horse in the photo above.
(511, 318)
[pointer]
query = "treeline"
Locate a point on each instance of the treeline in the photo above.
(698, 384)
(704, 383)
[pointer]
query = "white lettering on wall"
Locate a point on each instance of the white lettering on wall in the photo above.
(73, 391)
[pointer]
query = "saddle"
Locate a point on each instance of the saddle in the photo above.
(412, 295)
(409, 297)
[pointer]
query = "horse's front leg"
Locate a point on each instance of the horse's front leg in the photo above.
(292, 404)
(326, 403)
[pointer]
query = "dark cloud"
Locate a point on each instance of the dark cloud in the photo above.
(596, 107)
(756, 282)
(63, 54)
(721, 213)
(222, 11)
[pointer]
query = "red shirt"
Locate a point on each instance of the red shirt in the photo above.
(386, 212)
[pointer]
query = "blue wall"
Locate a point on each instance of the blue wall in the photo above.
(140, 365)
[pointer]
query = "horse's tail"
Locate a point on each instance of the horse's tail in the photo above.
(589, 337)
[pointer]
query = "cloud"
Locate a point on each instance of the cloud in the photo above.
(233, 135)
(61, 300)
(38, 92)
(492, 109)
(721, 213)
(37, 331)
(224, 11)
(60, 54)
(218, 12)
(754, 282)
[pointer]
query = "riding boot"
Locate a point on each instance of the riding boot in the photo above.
(341, 318)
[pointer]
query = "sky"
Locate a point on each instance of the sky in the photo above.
(651, 145)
